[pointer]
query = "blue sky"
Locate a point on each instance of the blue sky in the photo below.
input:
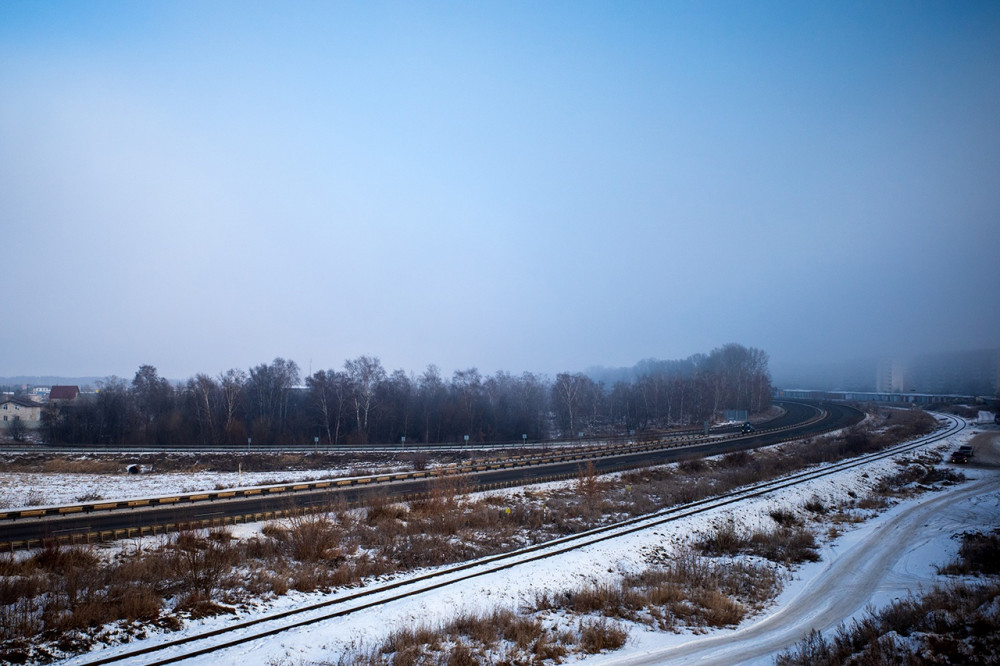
(518, 186)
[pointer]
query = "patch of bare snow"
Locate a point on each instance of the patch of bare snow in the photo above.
(21, 489)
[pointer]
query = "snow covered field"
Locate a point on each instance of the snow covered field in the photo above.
(21, 489)
(879, 560)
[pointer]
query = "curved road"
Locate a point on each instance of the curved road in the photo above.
(873, 565)
(83, 523)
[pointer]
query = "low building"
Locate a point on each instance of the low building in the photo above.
(28, 412)
(64, 393)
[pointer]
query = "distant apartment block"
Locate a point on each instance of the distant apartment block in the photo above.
(890, 377)
(955, 373)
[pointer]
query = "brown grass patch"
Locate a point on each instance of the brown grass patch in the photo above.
(600, 635)
(681, 590)
(979, 554)
(343, 547)
(509, 637)
(787, 544)
(955, 624)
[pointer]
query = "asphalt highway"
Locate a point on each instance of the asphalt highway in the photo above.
(143, 519)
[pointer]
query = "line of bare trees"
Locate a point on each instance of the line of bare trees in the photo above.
(363, 403)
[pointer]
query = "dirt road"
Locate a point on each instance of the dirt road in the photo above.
(985, 449)
(884, 559)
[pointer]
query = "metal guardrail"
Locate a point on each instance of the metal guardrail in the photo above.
(454, 469)
(581, 453)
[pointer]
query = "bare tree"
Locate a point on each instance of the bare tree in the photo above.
(113, 411)
(532, 404)
(153, 397)
(431, 391)
(16, 429)
(572, 394)
(204, 392)
(468, 385)
(365, 373)
(268, 388)
(328, 390)
(498, 391)
(398, 391)
(231, 384)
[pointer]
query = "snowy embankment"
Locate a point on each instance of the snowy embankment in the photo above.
(885, 559)
(23, 489)
(881, 559)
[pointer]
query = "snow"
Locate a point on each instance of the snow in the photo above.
(873, 563)
(19, 489)
(885, 559)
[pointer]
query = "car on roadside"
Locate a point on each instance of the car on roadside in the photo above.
(962, 455)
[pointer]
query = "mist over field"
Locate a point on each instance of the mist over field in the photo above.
(505, 186)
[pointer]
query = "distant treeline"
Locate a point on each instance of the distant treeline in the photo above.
(363, 403)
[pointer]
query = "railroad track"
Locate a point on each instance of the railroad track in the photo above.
(102, 521)
(481, 465)
(240, 633)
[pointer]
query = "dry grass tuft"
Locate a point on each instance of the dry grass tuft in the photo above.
(979, 554)
(600, 635)
(787, 544)
(682, 590)
(956, 624)
(469, 637)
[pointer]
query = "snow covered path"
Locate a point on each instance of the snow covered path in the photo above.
(881, 561)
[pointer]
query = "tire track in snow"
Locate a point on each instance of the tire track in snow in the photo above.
(836, 592)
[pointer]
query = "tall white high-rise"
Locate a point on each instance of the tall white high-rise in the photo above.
(890, 376)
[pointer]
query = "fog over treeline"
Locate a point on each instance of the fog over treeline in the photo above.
(974, 372)
(363, 402)
(497, 185)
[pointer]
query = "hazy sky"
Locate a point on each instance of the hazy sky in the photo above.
(537, 186)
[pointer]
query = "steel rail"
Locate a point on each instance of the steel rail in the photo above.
(496, 563)
(84, 534)
(274, 490)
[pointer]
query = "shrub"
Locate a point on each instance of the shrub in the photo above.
(600, 635)
(784, 517)
(815, 505)
(956, 624)
(736, 459)
(718, 609)
(313, 537)
(789, 544)
(458, 641)
(725, 540)
(978, 554)
(380, 511)
(60, 559)
(419, 461)
(693, 466)
(19, 620)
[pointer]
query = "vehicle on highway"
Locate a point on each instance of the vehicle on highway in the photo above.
(962, 455)
(746, 428)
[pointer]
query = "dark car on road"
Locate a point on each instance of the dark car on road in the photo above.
(962, 455)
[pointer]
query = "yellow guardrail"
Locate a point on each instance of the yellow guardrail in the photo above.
(452, 468)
